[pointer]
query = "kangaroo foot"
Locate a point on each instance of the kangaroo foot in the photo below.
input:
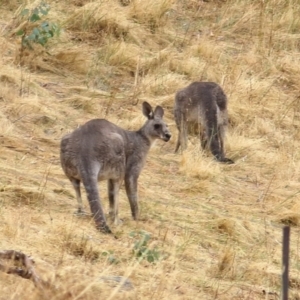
(103, 228)
(226, 161)
(118, 222)
(80, 212)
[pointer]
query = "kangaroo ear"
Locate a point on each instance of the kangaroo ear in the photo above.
(147, 110)
(158, 112)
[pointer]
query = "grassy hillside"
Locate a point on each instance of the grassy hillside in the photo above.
(215, 230)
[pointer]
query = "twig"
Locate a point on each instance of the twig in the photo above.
(22, 265)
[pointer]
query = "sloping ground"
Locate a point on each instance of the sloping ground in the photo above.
(215, 229)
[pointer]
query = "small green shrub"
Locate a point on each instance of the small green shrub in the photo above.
(141, 248)
(41, 33)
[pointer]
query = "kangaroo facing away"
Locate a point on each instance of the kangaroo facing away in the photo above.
(100, 150)
(202, 104)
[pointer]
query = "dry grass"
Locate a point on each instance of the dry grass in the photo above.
(217, 228)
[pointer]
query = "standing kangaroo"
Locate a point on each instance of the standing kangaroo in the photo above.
(203, 104)
(100, 150)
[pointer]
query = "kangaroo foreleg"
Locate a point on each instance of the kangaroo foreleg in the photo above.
(113, 196)
(76, 185)
(131, 191)
(177, 143)
(183, 135)
(203, 138)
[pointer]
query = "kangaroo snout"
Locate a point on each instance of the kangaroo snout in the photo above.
(167, 137)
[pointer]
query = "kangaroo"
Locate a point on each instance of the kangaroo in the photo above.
(203, 104)
(100, 150)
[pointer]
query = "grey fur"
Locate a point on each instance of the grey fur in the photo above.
(203, 104)
(100, 150)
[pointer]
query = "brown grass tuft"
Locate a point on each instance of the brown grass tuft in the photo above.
(20, 196)
(82, 248)
(124, 55)
(97, 20)
(226, 262)
(196, 163)
(290, 218)
(152, 14)
(73, 60)
(83, 103)
(226, 226)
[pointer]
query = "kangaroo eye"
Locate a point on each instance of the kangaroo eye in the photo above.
(157, 126)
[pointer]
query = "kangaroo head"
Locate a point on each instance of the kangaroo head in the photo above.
(155, 127)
